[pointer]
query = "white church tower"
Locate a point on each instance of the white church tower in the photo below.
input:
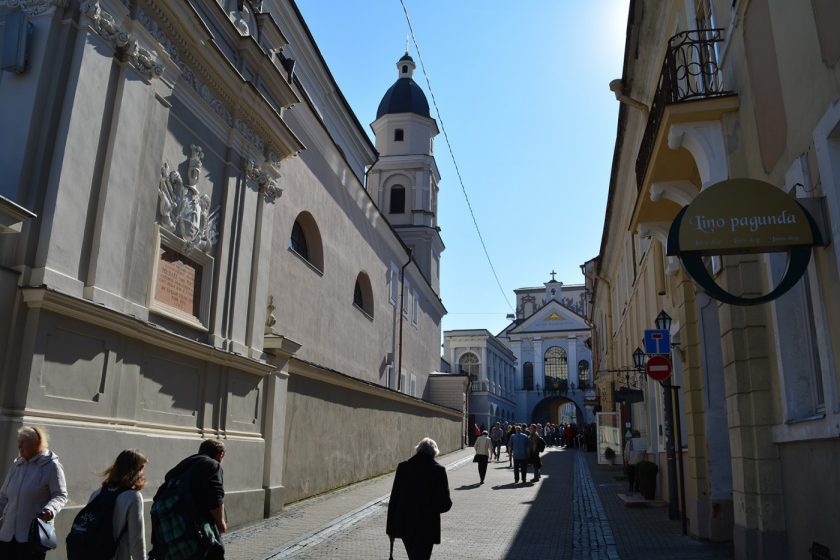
(404, 181)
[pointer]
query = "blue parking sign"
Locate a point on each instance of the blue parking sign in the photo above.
(657, 341)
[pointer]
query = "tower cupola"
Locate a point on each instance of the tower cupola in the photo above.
(405, 96)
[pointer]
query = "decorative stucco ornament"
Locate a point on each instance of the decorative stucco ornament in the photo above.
(265, 178)
(144, 60)
(184, 210)
(104, 23)
(33, 7)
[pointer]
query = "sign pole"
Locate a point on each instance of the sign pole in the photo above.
(676, 388)
(670, 453)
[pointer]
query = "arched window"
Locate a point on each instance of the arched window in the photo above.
(363, 294)
(397, 199)
(405, 69)
(399, 135)
(528, 376)
(468, 364)
(305, 241)
(583, 374)
(556, 369)
(298, 241)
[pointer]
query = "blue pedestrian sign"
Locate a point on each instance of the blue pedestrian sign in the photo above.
(657, 341)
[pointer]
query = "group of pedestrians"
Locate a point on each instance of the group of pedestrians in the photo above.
(523, 444)
(187, 510)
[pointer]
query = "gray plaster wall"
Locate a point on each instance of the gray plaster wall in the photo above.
(335, 436)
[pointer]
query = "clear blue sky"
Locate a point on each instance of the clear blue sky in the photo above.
(522, 89)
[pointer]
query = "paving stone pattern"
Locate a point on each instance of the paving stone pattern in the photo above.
(572, 513)
(593, 537)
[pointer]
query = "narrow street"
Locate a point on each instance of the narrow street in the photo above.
(573, 513)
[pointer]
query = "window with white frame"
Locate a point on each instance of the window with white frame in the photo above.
(413, 385)
(415, 308)
(403, 388)
(406, 297)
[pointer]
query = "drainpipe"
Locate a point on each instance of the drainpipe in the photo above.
(398, 372)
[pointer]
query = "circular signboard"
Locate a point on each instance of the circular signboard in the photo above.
(658, 367)
(740, 216)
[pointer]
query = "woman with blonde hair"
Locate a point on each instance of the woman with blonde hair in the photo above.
(122, 483)
(34, 487)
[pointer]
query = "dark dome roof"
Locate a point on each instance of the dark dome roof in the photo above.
(406, 57)
(405, 96)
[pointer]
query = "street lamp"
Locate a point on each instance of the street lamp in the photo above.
(663, 321)
(639, 358)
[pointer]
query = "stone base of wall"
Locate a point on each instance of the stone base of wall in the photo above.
(761, 545)
(712, 519)
(811, 485)
(336, 435)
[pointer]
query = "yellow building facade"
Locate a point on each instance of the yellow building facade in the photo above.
(714, 90)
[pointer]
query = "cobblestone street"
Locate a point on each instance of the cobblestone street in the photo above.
(572, 513)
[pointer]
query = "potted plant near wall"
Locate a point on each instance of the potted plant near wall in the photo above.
(609, 455)
(646, 472)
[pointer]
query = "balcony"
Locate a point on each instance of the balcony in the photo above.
(690, 76)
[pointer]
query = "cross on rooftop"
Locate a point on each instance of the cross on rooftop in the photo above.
(552, 275)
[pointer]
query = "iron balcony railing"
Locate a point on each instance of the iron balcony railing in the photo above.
(690, 72)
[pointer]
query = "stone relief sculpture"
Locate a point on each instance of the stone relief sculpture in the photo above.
(184, 210)
(270, 319)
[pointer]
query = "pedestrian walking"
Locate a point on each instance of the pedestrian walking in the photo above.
(537, 447)
(521, 446)
(188, 512)
(34, 488)
(111, 525)
(509, 432)
(496, 435)
(483, 448)
(419, 495)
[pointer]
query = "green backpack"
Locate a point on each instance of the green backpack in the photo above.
(178, 531)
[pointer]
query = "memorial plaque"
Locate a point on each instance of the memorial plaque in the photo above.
(178, 282)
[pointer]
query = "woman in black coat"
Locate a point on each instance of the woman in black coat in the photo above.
(420, 494)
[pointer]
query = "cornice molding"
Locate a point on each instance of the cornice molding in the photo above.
(34, 8)
(189, 45)
(330, 377)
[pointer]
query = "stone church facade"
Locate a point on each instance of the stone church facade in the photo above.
(190, 251)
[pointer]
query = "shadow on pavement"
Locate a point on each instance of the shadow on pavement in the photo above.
(469, 486)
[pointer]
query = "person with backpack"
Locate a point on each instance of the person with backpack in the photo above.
(537, 447)
(34, 487)
(110, 526)
(188, 512)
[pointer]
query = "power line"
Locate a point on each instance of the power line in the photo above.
(452, 154)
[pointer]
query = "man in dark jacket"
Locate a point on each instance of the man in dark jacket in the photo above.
(204, 477)
(420, 494)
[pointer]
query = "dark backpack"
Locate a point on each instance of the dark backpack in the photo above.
(540, 444)
(92, 535)
(178, 531)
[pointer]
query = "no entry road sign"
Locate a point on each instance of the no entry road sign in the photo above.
(658, 367)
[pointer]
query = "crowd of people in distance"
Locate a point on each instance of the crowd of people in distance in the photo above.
(523, 444)
(187, 510)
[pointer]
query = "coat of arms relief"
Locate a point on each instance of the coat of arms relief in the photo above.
(184, 210)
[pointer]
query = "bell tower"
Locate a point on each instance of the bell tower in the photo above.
(404, 180)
